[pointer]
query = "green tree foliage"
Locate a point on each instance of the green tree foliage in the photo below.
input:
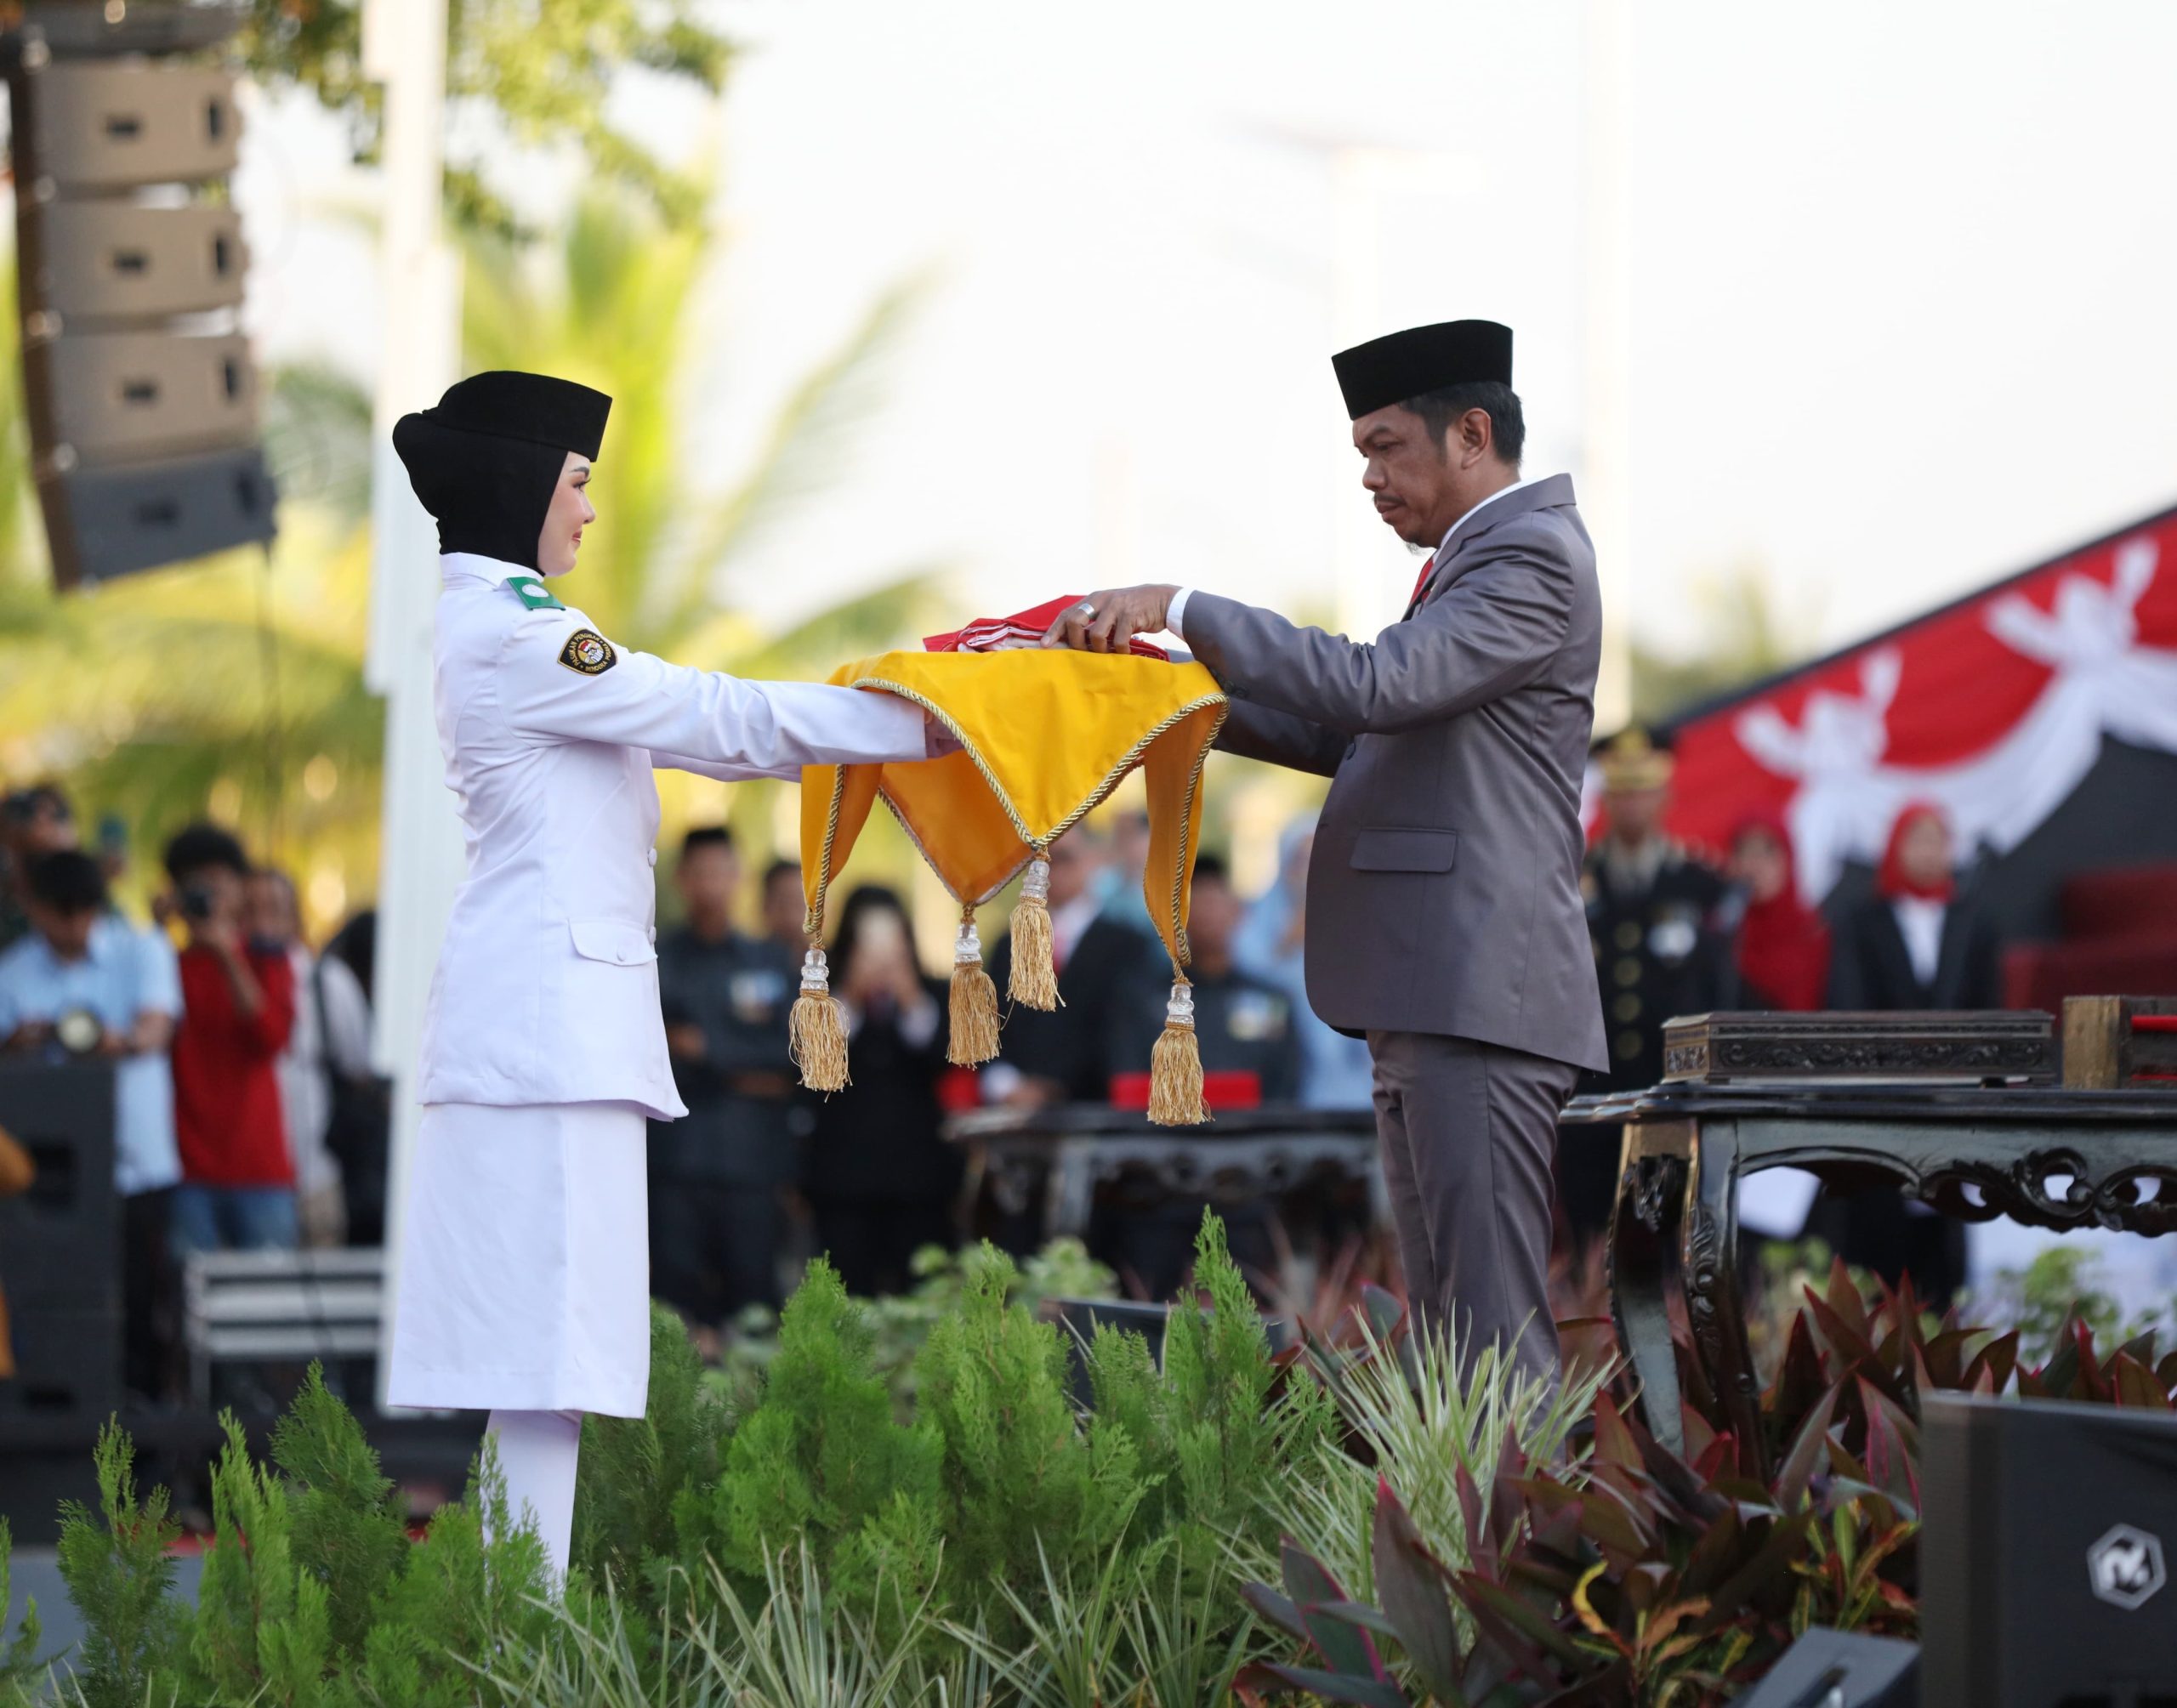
(120, 1578)
(543, 74)
(349, 1533)
(1026, 1484)
(19, 1658)
(799, 1543)
(820, 1455)
(312, 1595)
(1733, 632)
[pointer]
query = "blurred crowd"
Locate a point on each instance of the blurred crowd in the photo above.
(759, 1172)
(248, 1115)
(1674, 935)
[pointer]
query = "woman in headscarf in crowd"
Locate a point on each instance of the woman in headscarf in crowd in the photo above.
(524, 1246)
(1915, 944)
(879, 1179)
(1779, 963)
(1334, 1068)
(1782, 955)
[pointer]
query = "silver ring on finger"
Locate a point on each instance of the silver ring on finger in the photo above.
(1087, 611)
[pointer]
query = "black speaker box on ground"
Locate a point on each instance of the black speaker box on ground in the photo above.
(2045, 1554)
(67, 1373)
(61, 1241)
(1841, 1669)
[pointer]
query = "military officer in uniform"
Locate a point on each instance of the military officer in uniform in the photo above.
(524, 1273)
(1244, 1025)
(715, 1176)
(1652, 910)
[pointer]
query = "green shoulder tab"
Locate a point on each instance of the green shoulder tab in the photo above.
(533, 594)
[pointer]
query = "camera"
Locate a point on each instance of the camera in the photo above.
(196, 902)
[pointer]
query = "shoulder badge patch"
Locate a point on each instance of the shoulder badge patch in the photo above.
(533, 594)
(588, 652)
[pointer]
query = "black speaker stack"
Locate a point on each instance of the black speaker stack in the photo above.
(60, 1264)
(2050, 1532)
(142, 396)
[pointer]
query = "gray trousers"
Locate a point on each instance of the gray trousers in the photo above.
(1469, 1132)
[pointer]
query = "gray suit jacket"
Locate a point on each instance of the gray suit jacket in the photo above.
(1444, 893)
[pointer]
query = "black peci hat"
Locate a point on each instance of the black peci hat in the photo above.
(1391, 369)
(531, 407)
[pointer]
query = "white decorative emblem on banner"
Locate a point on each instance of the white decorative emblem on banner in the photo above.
(1847, 798)
(2104, 682)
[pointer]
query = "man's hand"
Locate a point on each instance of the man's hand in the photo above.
(1106, 621)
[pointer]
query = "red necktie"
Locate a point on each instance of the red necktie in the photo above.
(1421, 581)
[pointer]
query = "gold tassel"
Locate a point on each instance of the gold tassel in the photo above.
(1176, 1065)
(1034, 983)
(816, 1030)
(973, 1039)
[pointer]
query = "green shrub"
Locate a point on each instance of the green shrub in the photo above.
(19, 1660)
(1026, 1481)
(793, 1540)
(120, 1578)
(312, 1595)
(817, 1461)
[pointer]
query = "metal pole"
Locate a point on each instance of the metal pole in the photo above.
(1604, 477)
(421, 860)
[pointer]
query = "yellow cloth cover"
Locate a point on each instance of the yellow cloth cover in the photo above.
(1045, 736)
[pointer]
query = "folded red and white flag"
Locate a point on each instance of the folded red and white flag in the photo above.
(1022, 629)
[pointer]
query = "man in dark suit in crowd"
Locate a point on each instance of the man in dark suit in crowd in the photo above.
(1066, 1055)
(1444, 918)
(1244, 1025)
(784, 908)
(715, 1177)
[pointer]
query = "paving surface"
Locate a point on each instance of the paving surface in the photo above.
(35, 1576)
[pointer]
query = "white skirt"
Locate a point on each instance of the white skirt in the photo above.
(525, 1262)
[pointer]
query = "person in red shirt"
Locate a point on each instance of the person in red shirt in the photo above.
(237, 1190)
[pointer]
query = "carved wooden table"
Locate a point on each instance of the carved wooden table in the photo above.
(2046, 1156)
(1053, 1160)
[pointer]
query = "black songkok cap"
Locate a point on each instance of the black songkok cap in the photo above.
(1389, 370)
(488, 459)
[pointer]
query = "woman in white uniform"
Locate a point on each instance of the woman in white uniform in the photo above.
(524, 1276)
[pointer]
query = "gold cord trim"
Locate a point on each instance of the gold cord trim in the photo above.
(1113, 779)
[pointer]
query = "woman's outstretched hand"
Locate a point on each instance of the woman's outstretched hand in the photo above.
(940, 740)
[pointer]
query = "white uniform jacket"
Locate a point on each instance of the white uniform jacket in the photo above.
(545, 991)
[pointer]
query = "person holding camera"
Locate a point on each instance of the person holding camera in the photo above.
(238, 1007)
(34, 822)
(86, 986)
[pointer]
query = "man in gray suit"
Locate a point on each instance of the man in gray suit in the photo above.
(1444, 914)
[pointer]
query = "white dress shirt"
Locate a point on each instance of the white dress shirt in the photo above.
(1919, 923)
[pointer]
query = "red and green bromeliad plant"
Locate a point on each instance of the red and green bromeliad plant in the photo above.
(1641, 1575)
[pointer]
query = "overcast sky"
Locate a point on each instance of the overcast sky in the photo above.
(1897, 291)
